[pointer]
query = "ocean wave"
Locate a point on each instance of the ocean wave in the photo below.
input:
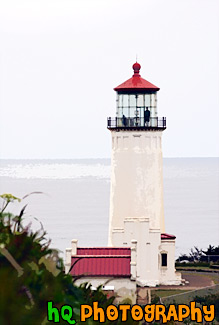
(55, 171)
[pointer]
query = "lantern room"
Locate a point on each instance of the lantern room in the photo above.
(136, 104)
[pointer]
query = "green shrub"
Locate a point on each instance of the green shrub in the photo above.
(32, 274)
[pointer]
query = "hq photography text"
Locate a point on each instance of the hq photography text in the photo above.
(149, 313)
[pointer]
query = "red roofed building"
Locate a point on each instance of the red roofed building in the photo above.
(101, 261)
(107, 266)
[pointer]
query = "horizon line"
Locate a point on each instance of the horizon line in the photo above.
(81, 158)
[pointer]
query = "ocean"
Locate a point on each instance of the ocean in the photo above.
(74, 199)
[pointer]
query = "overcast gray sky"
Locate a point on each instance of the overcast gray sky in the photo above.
(61, 59)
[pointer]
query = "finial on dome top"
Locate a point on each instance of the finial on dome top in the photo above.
(136, 67)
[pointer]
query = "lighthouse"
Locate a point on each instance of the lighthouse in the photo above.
(136, 197)
(140, 253)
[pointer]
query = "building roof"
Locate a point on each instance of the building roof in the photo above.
(102, 261)
(136, 83)
(167, 236)
(115, 251)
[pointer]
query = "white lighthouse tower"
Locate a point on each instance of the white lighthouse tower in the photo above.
(136, 198)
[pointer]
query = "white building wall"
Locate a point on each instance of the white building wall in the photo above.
(124, 288)
(168, 274)
(146, 249)
(137, 234)
(136, 179)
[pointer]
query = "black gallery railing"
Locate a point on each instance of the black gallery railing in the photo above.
(136, 122)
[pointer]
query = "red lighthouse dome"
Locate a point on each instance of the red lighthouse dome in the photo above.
(136, 83)
(136, 67)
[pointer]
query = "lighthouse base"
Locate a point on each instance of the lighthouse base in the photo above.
(152, 254)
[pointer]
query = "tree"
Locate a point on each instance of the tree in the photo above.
(32, 274)
(196, 254)
(211, 250)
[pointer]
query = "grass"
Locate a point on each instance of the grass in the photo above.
(214, 277)
(194, 268)
(166, 293)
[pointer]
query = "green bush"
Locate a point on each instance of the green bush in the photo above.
(32, 274)
(210, 300)
(193, 264)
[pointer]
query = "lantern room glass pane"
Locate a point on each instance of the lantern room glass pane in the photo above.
(126, 111)
(147, 100)
(132, 99)
(132, 111)
(125, 100)
(140, 100)
(153, 100)
(120, 100)
(120, 112)
(141, 112)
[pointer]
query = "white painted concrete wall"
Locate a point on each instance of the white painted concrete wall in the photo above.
(168, 274)
(145, 243)
(136, 179)
(124, 288)
(146, 248)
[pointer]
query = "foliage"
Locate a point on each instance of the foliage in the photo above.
(211, 250)
(200, 256)
(195, 254)
(193, 265)
(155, 299)
(212, 299)
(32, 274)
